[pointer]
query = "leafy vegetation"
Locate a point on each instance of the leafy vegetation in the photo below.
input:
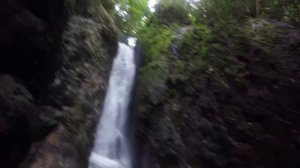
(159, 38)
(156, 31)
(130, 15)
(217, 73)
(218, 33)
(286, 10)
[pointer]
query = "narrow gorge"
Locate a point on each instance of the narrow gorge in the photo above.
(112, 148)
(149, 84)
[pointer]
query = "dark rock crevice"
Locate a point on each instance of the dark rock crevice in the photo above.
(54, 66)
(30, 40)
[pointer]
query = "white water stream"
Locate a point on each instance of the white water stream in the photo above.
(111, 147)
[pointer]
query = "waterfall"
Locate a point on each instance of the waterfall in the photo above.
(111, 146)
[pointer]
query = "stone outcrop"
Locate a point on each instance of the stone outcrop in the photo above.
(231, 99)
(54, 65)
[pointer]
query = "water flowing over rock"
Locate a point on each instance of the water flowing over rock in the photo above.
(111, 148)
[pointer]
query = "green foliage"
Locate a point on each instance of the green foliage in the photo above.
(264, 33)
(158, 40)
(130, 15)
(287, 10)
(212, 11)
(133, 15)
(172, 11)
(211, 52)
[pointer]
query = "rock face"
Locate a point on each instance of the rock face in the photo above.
(21, 121)
(55, 59)
(232, 104)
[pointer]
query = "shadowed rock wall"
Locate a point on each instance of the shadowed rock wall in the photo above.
(54, 66)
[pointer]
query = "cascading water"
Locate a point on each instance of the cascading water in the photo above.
(111, 147)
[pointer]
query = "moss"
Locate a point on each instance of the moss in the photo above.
(222, 80)
(155, 73)
(89, 44)
(79, 129)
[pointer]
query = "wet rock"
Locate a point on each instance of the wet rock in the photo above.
(238, 110)
(54, 151)
(57, 54)
(30, 40)
(20, 121)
